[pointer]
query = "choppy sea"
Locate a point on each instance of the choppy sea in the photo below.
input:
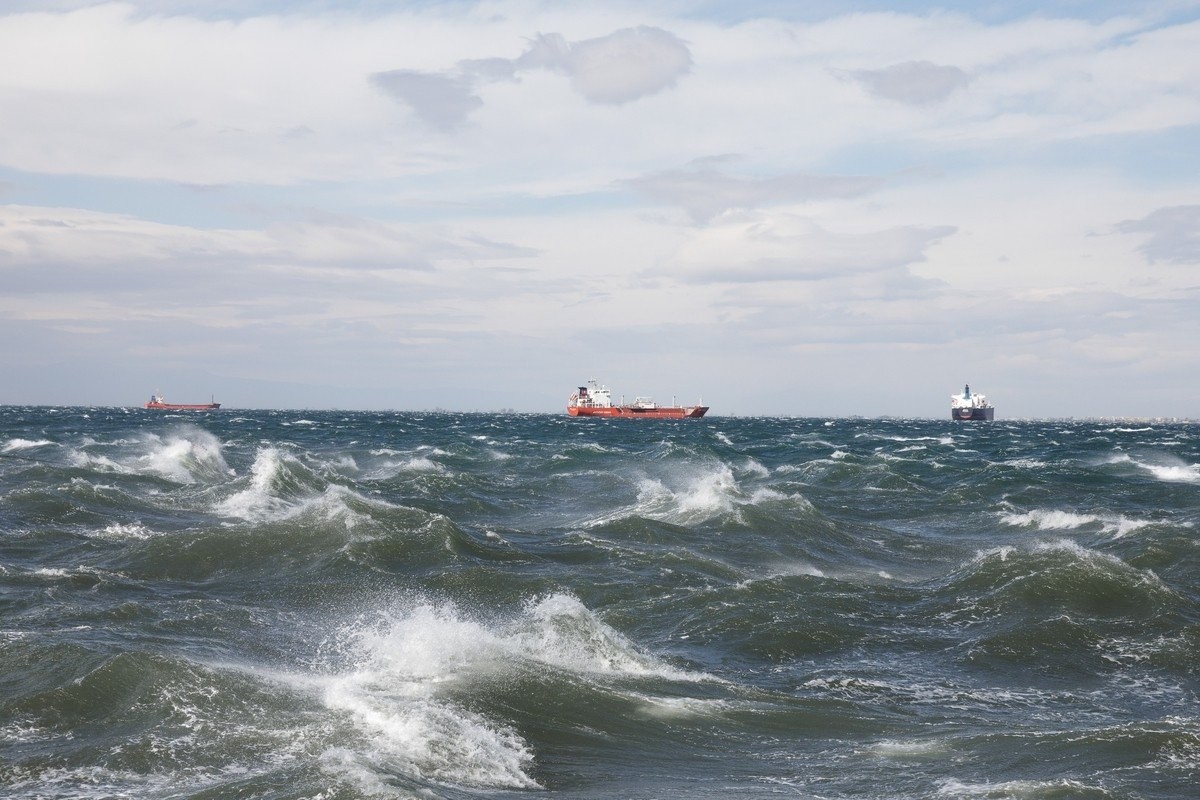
(338, 605)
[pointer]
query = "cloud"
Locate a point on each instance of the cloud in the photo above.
(619, 68)
(916, 83)
(788, 248)
(1174, 234)
(65, 251)
(444, 101)
(705, 192)
(625, 65)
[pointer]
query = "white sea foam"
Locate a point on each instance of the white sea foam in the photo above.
(439, 642)
(186, 456)
(95, 461)
(684, 495)
(1018, 790)
(408, 728)
(1165, 468)
(792, 569)
(120, 531)
(399, 689)
(280, 487)
(1025, 463)
(1054, 520)
(24, 444)
(704, 495)
(1105, 561)
(1002, 552)
(909, 748)
(258, 500)
(1182, 473)
(391, 468)
(754, 467)
(682, 707)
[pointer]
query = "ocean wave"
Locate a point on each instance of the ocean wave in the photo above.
(125, 531)
(438, 642)
(908, 692)
(185, 455)
(688, 495)
(281, 487)
(157, 726)
(1053, 580)
(1168, 469)
(406, 668)
(1057, 789)
(1054, 520)
(1025, 463)
(24, 444)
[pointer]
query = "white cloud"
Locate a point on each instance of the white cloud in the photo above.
(444, 101)
(784, 247)
(623, 66)
(626, 65)
(706, 192)
(1173, 234)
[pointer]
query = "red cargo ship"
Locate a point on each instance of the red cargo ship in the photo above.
(595, 400)
(157, 402)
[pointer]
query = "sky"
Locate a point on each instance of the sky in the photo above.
(781, 208)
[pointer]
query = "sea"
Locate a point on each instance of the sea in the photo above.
(336, 605)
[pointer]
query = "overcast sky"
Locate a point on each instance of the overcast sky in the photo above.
(812, 209)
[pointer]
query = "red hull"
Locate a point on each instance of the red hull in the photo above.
(183, 406)
(632, 412)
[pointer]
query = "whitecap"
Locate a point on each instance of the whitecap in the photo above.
(754, 467)
(1050, 519)
(1168, 469)
(186, 456)
(121, 531)
(908, 748)
(24, 444)
(1025, 463)
(1018, 790)
(404, 666)
(682, 496)
(281, 488)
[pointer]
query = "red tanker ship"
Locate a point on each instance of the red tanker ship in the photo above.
(595, 400)
(157, 402)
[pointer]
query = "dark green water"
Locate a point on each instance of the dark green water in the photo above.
(346, 605)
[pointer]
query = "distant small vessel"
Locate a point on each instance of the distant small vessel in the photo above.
(594, 400)
(157, 402)
(970, 407)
